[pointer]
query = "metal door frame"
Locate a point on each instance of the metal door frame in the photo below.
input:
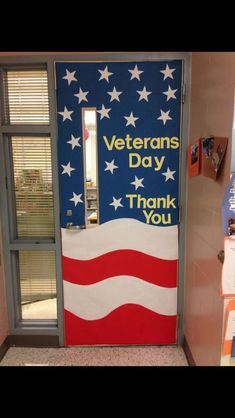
(49, 60)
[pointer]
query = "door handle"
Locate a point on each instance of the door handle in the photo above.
(70, 225)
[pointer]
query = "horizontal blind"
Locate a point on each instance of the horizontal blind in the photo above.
(32, 173)
(27, 97)
(37, 277)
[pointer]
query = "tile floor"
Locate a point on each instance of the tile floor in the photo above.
(96, 356)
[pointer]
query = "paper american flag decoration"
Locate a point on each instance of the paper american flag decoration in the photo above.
(120, 278)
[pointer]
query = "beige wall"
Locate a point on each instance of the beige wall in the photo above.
(3, 309)
(211, 113)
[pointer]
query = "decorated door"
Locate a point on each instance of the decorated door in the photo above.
(119, 146)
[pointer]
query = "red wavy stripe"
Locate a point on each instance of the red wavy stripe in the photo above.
(128, 324)
(121, 262)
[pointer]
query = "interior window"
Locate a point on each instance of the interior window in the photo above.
(90, 151)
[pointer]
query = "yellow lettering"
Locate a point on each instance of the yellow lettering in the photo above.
(175, 142)
(140, 200)
(151, 202)
(159, 163)
(155, 143)
(170, 202)
(128, 140)
(147, 215)
(146, 140)
(119, 144)
(147, 162)
(137, 143)
(131, 197)
(168, 220)
(111, 144)
(138, 158)
(166, 140)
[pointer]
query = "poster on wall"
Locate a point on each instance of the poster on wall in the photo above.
(229, 327)
(213, 151)
(228, 216)
(194, 159)
(228, 269)
(228, 208)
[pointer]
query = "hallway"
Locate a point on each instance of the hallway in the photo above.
(96, 356)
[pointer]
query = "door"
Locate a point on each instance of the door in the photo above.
(119, 145)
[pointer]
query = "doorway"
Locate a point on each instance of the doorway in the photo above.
(48, 129)
(120, 262)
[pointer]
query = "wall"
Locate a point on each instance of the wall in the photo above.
(211, 113)
(3, 309)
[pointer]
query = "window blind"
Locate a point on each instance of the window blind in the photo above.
(32, 174)
(27, 97)
(37, 278)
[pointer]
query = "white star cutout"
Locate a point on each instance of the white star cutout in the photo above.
(164, 116)
(104, 112)
(138, 183)
(170, 93)
(70, 77)
(82, 95)
(66, 114)
(130, 119)
(110, 166)
(135, 73)
(167, 72)
(74, 142)
(76, 198)
(169, 174)
(114, 94)
(67, 169)
(105, 74)
(144, 94)
(116, 203)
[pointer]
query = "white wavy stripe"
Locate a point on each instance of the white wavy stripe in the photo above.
(124, 233)
(97, 300)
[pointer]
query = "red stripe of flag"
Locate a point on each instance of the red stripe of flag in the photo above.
(121, 262)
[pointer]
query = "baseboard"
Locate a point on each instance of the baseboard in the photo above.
(33, 341)
(4, 347)
(188, 353)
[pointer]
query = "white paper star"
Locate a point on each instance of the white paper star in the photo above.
(116, 203)
(135, 73)
(138, 183)
(169, 174)
(74, 142)
(66, 114)
(164, 116)
(130, 119)
(144, 94)
(170, 93)
(104, 112)
(110, 166)
(114, 94)
(167, 72)
(76, 198)
(82, 95)
(105, 74)
(70, 77)
(67, 169)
